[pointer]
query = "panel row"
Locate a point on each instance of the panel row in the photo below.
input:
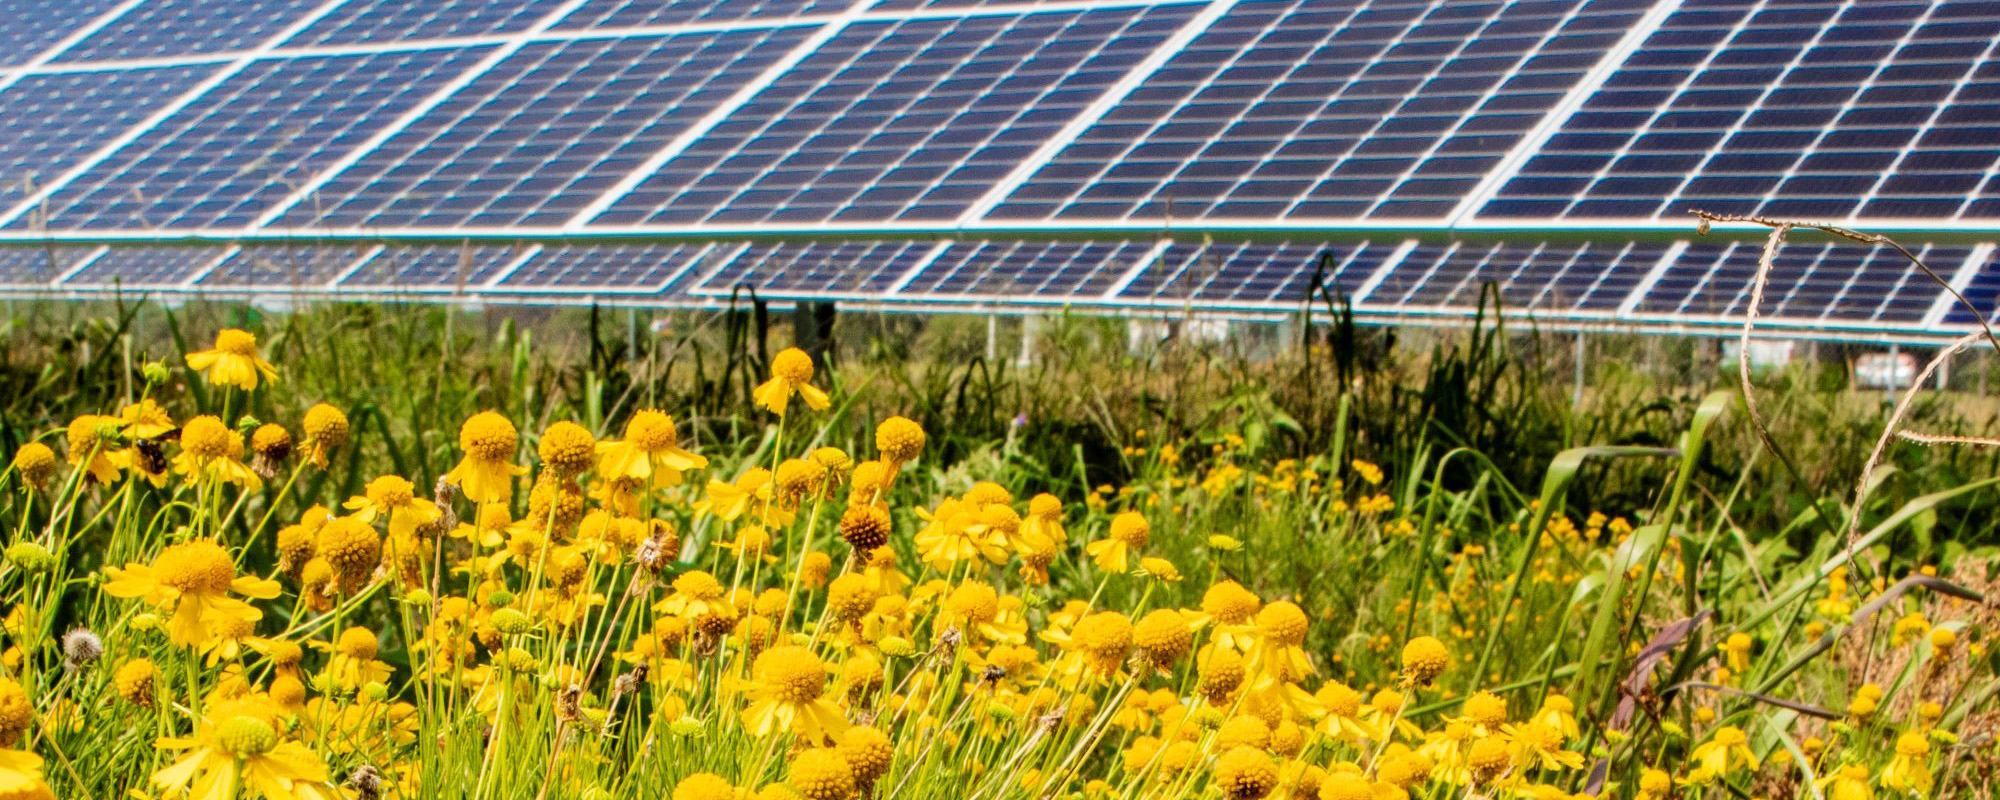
(1843, 283)
(1152, 111)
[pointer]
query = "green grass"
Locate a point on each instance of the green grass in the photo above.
(1616, 553)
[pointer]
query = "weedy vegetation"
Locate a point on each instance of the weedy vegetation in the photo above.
(371, 551)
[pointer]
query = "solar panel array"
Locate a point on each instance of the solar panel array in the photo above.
(1010, 153)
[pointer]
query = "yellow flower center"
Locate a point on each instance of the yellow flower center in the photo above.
(1131, 528)
(698, 585)
(1283, 623)
(792, 366)
(246, 736)
(236, 342)
(567, 447)
(391, 491)
(791, 674)
(900, 439)
(325, 425)
(975, 601)
(206, 437)
(1485, 708)
(1229, 602)
(488, 436)
(358, 643)
(198, 568)
(651, 431)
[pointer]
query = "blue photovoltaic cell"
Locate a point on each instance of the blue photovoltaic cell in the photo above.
(188, 27)
(278, 267)
(251, 141)
(1846, 282)
(1048, 271)
(631, 268)
(1801, 109)
(1539, 277)
(36, 267)
(358, 21)
(803, 268)
(28, 27)
(1258, 272)
(911, 5)
(1983, 292)
(636, 13)
(125, 267)
(48, 123)
(900, 120)
(431, 267)
(538, 136)
(1325, 109)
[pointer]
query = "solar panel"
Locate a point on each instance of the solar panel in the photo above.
(278, 267)
(38, 267)
(30, 28)
(430, 268)
(995, 152)
(248, 142)
(362, 21)
(159, 28)
(806, 269)
(1818, 282)
(655, 269)
(1260, 273)
(131, 268)
(1542, 276)
(1808, 109)
(899, 120)
(49, 123)
(540, 134)
(641, 13)
(1315, 109)
(1053, 272)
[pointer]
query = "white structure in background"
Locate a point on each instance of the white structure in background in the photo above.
(1891, 370)
(1766, 355)
(1142, 335)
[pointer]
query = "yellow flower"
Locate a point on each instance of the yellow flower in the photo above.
(236, 751)
(1850, 782)
(1245, 773)
(87, 450)
(1338, 707)
(1424, 658)
(650, 453)
(210, 451)
(326, 430)
(822, 773)
(704, 786)
(567, 449)
(21, 776)
(1281, 634)
(1725, 752)
(1128, 533)
(1539, 745)
(1909, 771)
(791, 373)
(35, 463)
(395, 498)
(786, 695)
(486, 473)
(193, 579)
(957, 534)
(234, 361)
(1164, 635)
(900, 440)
